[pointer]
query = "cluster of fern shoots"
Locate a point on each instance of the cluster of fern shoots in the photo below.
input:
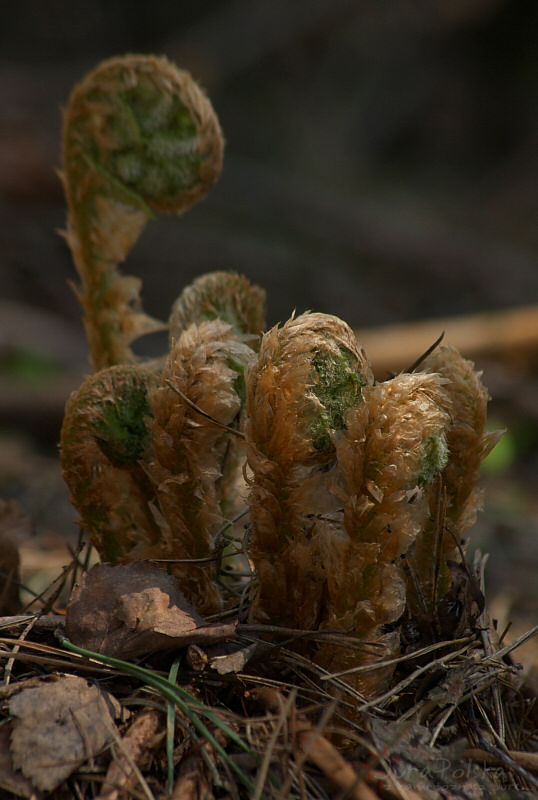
(358, 493)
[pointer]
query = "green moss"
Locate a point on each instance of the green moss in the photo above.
(120, 428)
(239, 381)
(156, 151)
(337, 388)
(227, 313)
(435, 459)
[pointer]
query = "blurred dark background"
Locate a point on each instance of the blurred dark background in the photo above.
(381, 165)
(381, 162)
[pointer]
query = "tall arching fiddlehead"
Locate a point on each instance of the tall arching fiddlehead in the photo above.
(309, 373)
(139, 136)
(468, 444)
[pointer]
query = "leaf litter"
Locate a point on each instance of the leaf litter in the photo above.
(126, 611)
(301, 738)
(59, 726)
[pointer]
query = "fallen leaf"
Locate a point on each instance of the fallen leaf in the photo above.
(143, 736)
(196, 658)
(128, 611)
(17, 686)
(233, 662)
(193, 780)
(59, 726)
(10, 779)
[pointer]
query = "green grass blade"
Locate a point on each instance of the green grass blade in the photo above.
(181, 698)
(170, 728)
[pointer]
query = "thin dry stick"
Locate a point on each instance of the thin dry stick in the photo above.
(487, 722)
(440, 521)
(416, 364)
(84, 735)
(132, 763)
(327, 637)
(295, 659)
(382, 699)
(9, 665)
(307, 693)
(307, 745)
(415, 654)
(410, 569)
(442, 722)
(139, 740)
(392, 347)
(42, 624)
(202, 413)
(271, 743)
(400, 789)
(393, 787)
(319, 751)
(528, 761)
(500, 654)
(65, 660)
(55, 587)
(500, 753)
(207, 754)
(482, 622)
(479, 685)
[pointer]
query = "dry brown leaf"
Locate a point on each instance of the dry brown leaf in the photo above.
(126, 611)
(233, 662)
(11, 780)
(59, 726)
(193, 782)
(143, 736)
(9, 689)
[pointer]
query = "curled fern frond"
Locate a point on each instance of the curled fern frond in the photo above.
(139, 136)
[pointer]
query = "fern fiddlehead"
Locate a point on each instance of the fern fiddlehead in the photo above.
(139, 137)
